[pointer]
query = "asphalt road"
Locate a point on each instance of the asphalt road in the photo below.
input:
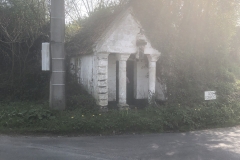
(218, 144)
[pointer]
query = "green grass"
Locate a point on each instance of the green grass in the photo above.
(37, 118)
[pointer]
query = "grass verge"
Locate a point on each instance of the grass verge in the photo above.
(37, 118)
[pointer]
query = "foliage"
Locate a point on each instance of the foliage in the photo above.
(77, 97)
(30, 117)
(78, 9)
(23, 114)
(23, 27)
(78, 12)
(87, 32)
(199, 42)
(196, 39)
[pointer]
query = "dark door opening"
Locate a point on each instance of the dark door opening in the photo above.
(130, 82)
(117, 82)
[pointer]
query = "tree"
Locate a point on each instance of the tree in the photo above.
(195, 38)
(21, 28)
(78, 11)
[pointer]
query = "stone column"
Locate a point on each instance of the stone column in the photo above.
(102, 80)
(152, 59)
(122, 58)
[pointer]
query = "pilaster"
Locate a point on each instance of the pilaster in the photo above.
(122, 58)
(152, 59)
(102, 79)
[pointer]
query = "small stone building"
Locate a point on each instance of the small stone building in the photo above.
(118, 62)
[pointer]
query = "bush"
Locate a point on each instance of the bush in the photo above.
(77, 97)
(21, 77)
(198, 49)
(29, 117)
(22, 114)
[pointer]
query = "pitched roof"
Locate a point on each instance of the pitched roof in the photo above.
(101, 29)
(92, 30)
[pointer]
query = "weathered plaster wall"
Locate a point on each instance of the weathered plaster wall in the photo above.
(97, 72)
(121, 38)
(85, 73)
(101, 78)
(141, 80)
(86, 68)
(112, 77)
(95, 80)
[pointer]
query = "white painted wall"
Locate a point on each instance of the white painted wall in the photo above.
(141, 80)
(121, 38)
(112, 60)
(101, 67)
(95, 80)
(85, 72)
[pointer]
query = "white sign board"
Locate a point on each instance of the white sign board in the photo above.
(210, 95)
(45, 57)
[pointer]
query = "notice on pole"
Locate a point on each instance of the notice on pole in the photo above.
(210, 95)
(45, 57)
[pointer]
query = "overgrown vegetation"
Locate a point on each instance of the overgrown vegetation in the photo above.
(77, 97)
(86, 35)
(23, 27)
(27, 118)
(199, 42)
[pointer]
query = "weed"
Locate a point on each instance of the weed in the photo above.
(27, 117)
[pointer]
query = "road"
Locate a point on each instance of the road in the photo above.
(217, 144)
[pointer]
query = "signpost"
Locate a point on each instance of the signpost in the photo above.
(57, 82)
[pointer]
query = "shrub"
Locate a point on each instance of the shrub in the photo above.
(77, 97)
(29, 117)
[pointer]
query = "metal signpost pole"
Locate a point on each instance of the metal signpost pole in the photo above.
(57, 82)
